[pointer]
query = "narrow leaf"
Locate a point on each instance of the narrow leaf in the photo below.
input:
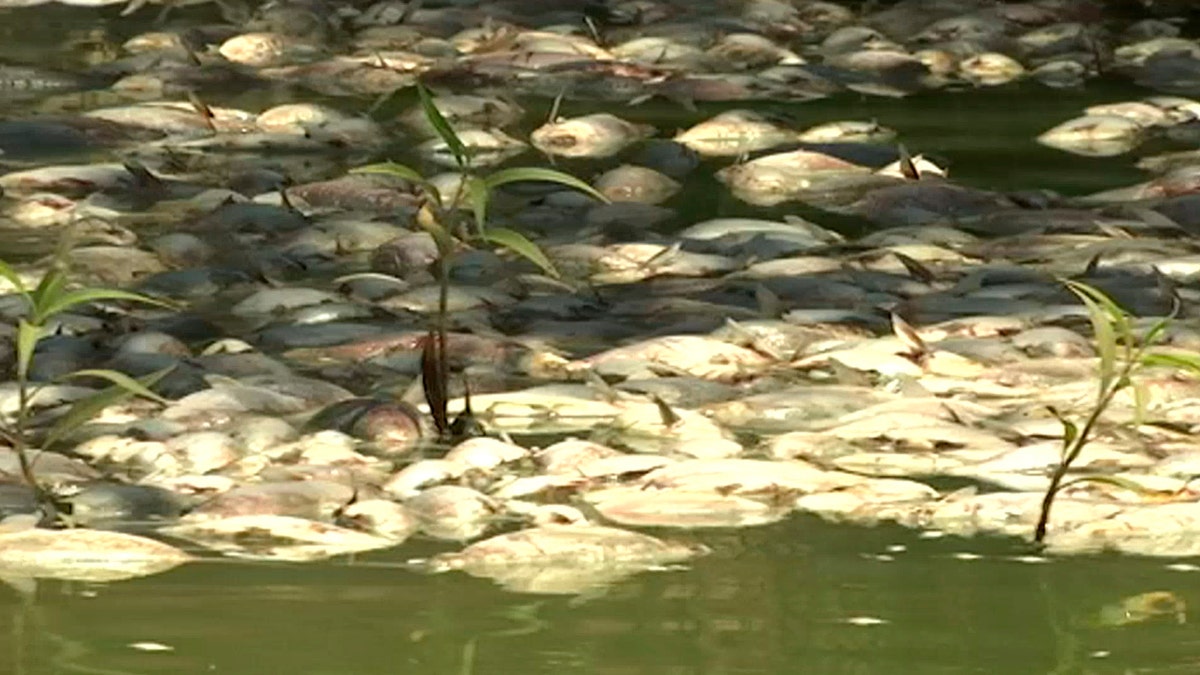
(1141, 402)
(1116, 314)
(47, 290)
(1154, 334)
(65, 301)
(1106, 339)
(479, 194)
(402, 172)
(533, 173)
(87, 408)
(1070, 430)
(434, 381)
(28, 336)
(121, 380)
(519, 244)
(1177, 360)
(442, 127)
(13, 278)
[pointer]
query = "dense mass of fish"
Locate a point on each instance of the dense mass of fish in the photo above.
(730, 372)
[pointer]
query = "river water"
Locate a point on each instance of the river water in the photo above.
(798, 597)
(801, 596)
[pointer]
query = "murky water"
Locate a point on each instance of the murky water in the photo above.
(800, 596)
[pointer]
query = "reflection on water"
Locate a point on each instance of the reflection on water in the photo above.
(801, 596)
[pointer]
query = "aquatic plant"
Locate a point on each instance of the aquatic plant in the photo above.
(1122, 354)
(54, 295)
(442, 217)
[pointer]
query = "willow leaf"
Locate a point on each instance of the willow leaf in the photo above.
(462, 156)
(28, 335)
(1178, 360)
(519, 244)
(1105, 336)
(49, 288)
(86, 409)
(120, 379)
(1114, 312)
(13, 278)
(533, 173)
(480, 194)
(65, 301)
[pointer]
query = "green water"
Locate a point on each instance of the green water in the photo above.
(798, 597)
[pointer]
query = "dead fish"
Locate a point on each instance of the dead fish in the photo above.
(262, 50)
(465, 111)
(314, 499)
(78, 179)
(693, 354)
(774, 179)
(1095, 135)
(631, 183)
(564, 559)
(451, 512)
(597, 135)
(670, 507)
(183, 118)
(1144, 114)
(84, 555)
(270, 537)
(750, 50)
(486, 147)
(1143, 607)
(735, 132)
(990, 69)
(847, 132)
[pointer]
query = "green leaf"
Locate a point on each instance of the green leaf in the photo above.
(403, 172)
(87, 408)
(13, 278)
(1118, 316)
(1154, 333)
(28, 336)
(532, 173)
(1141, 402)
(462, 156)
(120, 379)
(1070, 429)
(1102, 328)
(49, 288)
(1185, 361)
(519, 244)
(480, 194)
(65, 301)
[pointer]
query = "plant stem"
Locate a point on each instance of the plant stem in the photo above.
(19, 437)
(1077, 446)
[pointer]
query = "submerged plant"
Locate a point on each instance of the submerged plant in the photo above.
(1122, 354)
(443, 217)
(52, 296)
